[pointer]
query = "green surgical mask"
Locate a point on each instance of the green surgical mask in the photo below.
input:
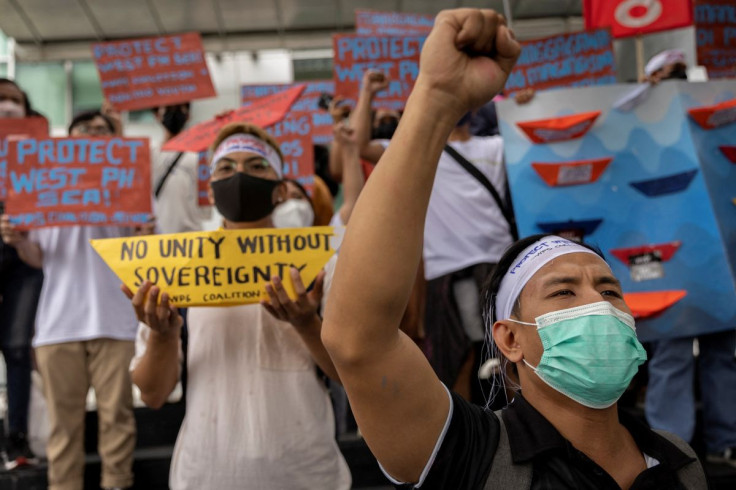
(590, 353)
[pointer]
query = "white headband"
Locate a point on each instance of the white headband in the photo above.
(250, 143)
(663, 59)
(526, 264)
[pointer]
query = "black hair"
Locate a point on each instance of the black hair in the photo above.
(301, 188)
(488, 305)
(87, 116)
(26, 100)
(188, 105)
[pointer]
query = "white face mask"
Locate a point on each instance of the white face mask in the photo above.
(293, 213)
(10, 109)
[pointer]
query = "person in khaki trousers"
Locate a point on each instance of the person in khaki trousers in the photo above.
(85, 335)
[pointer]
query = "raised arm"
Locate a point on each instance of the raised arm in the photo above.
(28, 251)
(353, 178)
(399, 403)
(158, 370)
(361, 120)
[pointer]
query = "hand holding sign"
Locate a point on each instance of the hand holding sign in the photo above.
(300, 312)
(467, 59)
(161, 317)
(10, 234)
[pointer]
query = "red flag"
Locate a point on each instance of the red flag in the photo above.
(632, 17)
(264, 112)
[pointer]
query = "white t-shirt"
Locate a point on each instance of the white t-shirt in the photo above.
(257, 415)
(464, 225)
(81, 297)
(176, 208)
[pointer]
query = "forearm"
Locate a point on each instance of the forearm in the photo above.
(361, 121)
(335, 163)
(382, 246)
(30, 253)
(310, 335)
(158, 370)
(352, 181)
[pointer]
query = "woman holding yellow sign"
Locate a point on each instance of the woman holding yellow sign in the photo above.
(257, 416)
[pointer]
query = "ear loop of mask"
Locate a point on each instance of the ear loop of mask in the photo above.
(531, 325)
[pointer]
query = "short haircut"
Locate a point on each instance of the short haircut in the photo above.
(87, 116)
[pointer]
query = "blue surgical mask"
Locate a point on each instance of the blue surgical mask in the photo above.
(591, 353)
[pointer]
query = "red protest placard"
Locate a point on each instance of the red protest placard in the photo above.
(632, 17)
(295, 139)
(18, 129)
(369, 22)
(396, 56)
(264, 112)
(151, 72)
(203, 179)
(566, 60)
(78, 181)
(715, 25)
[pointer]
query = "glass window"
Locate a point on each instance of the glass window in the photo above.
(312, 69)
(3, 44)
(86, 88)
(3, 70)
(45, 84)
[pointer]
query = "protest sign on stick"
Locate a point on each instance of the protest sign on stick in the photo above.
(264, 112)
(715, 26)
(395, 56)
(17, 129)
(568, 60)
(78, 181)
(371, 22)
(222, 267)
(151, 72)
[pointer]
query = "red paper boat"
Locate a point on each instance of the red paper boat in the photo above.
(559, 128)
(572, 173)
(650, 304)
(712, 116)
(666, 251)
(729, 152)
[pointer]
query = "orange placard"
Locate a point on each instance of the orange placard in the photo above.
(264, 112)
(713, 116)
(571, 173)
(155, 71)
(559, 128)
(78, 181)
(18, 129)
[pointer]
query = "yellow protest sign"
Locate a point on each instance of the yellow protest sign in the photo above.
(223, 267)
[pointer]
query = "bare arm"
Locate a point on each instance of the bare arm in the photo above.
(339, 113)
(28, 251)
(399, 403)
(353, 178)
(302, 314)
(158, 370)
(373, 82)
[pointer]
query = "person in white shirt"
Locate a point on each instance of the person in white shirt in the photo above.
(258, 415)
(84, 337)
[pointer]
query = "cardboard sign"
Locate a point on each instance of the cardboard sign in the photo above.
(17, 129)
(265, 112)
(396, 56)
(321, 121)
(294, 137)
(222, 267)
(78, 181)
(567, 60)
(370, 22)
(715, 27)
(634, 17)
(151, 72)
(203, 179)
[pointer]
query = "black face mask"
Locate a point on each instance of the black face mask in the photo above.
(174, 119)
(244, 198)
(385, 130)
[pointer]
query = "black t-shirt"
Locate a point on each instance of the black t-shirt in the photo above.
(464, 459)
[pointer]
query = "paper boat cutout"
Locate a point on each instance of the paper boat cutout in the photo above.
(729, 152)
(666, 251)
(572, 173)
(665, 185)
(559, 128)
(586, 226)
(650, 304)
(715, 115)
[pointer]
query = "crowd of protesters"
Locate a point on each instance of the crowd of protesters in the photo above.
(394, 335)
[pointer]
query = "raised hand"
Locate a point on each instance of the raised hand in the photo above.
(374, 81)
(466, 59)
